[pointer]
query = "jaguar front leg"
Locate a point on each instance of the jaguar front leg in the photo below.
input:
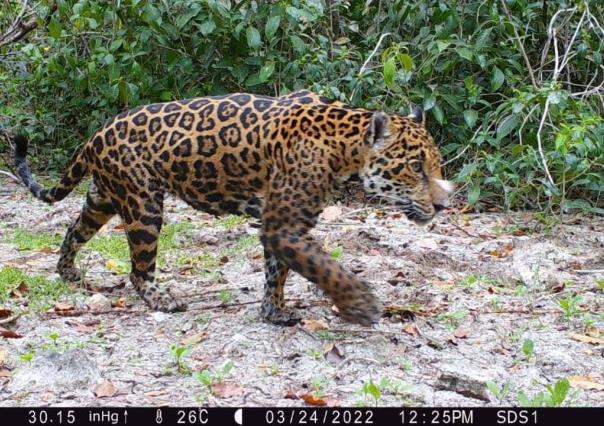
(285, 226)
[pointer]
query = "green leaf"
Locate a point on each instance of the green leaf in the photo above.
(266, 71)
(429, 102)
(373, 390)
(497, 78)
(438, 114)
(528, 347)
(523, 400)
(109, 59)
(298, 44)
(253, 38)
(389, 71)
(560, 391)
(470, 116)
(407, 61)
(465, 53)
(493, 388)
(227, 367)
(271, 27)
(204, 377)
(207, 27)
(442, 45)
(554, 97)
(473, 194)
(336, 253)
(506, 125)
(54, 28)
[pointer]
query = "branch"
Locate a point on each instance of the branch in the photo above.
(371, 55)
(519, 40)
(19, 29)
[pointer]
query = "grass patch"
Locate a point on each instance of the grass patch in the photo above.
(27, 240)
(242, 244)
(41, 292)
(114, 247)
(231, 221)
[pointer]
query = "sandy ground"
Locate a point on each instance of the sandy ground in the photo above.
(463, 296)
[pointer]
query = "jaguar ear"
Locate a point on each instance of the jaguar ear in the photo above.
(378, 131)
(418, 115)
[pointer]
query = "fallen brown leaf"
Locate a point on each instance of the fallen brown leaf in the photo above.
(558, 288)
(9, 334)
(4, 372)
(331, 213)
(575, 264)
(313, 325)
(587, 339)
(227, 390)
(194, 339)
(4, 312)
(20, 290)
(333, 354)
(313, 400)
(63, 306)
(460, 333)
(119, 303)
(410, 329)
(105, 389)
(585, 382)
(48, 250)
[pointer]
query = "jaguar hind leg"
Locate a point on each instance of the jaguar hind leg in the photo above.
(96, 212)
(273, 305)
(143, 235)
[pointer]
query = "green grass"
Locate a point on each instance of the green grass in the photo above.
(27, 240)
(114, 246)
(231, 221)
(207, 264)
(42, 292)
(242, 244)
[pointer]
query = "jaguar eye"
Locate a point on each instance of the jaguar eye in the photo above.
(416, 166)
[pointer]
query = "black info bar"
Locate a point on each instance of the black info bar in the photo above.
(100, 416)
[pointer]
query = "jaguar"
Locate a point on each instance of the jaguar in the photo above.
(274, 159)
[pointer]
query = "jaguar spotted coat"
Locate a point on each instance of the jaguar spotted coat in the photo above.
(275, 159)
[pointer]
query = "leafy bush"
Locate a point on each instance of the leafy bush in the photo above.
(520, 126)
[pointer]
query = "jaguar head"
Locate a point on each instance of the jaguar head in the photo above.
(403, 165)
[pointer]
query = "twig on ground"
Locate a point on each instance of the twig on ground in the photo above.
(10, 175)
(10, 319)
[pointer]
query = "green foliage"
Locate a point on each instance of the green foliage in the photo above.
(570, 307)
(336, 253)
(553, 397)
(528, 348)
(500, 393)
(460, 60)
(208, 379)
(178, 353)
(26, 240)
